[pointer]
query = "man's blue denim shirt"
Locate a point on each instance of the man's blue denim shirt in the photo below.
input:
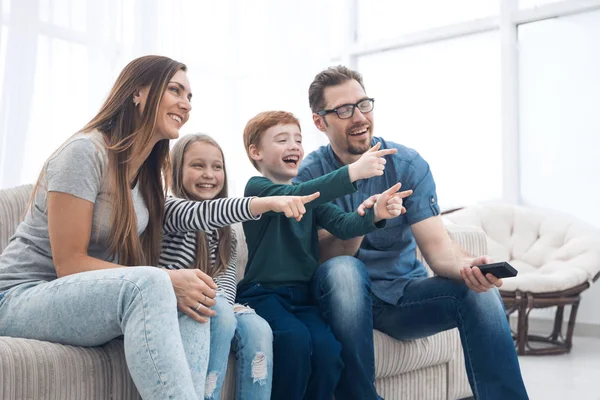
(388, 253)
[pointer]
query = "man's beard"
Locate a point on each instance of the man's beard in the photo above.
(359, 149)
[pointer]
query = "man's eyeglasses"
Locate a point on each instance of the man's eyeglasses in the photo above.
(346, 111)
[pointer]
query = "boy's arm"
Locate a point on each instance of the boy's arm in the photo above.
(192, 216)
(346, 225)
(330, 186)
(329, 245)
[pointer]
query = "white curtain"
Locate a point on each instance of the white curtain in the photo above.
(59, 58)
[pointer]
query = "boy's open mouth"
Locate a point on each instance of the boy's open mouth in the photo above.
(291, 160)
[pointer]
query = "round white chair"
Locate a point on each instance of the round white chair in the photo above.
(557, 257)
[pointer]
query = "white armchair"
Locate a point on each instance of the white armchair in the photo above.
(557, 257)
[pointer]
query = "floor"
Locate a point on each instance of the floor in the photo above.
(575, 376)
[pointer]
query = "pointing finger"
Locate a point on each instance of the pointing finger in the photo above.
(393, 189)
(310, 197)
(403, 194)
(376, 147)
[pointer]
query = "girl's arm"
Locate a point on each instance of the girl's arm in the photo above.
(192, 216)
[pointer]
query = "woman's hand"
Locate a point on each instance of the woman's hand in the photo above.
(195, 292)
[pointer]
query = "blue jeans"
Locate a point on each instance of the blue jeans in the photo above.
(428, 306)
(166, 352)
(241, 329)
(306, 356)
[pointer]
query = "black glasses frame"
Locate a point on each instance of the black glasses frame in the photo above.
(322, 113)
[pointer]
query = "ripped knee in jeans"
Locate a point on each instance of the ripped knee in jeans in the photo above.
(242, 309)
(211, 385)
(259, 368)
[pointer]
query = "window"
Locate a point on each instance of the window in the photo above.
(560, 122)
(443, 100)
(391, 18)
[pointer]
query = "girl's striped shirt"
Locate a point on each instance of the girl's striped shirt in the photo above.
(183, 218)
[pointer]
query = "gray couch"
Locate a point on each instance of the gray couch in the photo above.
(430, 369)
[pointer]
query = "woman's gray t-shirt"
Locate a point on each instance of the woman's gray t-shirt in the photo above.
(78, 168)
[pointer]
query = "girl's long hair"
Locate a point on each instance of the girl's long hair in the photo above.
(177, 189)
(117, 122)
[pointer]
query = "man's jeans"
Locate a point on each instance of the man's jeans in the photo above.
(428, 306)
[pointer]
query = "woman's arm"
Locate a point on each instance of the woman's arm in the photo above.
(69, 228)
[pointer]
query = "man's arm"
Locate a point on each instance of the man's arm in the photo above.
(448, 259)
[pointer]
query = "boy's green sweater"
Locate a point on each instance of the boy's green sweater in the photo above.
(285, 252)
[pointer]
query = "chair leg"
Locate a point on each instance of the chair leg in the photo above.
(522, 327)
(558, 320)
(571, 326)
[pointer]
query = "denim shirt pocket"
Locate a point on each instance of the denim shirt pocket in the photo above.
(388, 237)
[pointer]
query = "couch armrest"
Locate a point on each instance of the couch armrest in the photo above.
(471, 238)
(13, 203)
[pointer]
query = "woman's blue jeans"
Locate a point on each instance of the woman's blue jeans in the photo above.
(166, 352)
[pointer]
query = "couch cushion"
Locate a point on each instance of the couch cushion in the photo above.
(427, 383)
(393, 357)
(13, 202)
(32, 369)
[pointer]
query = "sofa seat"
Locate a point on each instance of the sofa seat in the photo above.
(415, 369)
(38, 370)
(394, 357)
(429, 369)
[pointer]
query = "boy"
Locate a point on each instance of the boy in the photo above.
(283, 253)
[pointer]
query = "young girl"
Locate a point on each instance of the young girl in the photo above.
(197, 236)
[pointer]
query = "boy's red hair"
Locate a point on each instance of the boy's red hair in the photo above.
(260, 123)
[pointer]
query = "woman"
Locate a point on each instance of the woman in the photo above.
(96, 209)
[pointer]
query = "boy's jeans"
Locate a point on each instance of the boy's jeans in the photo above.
(251, 339)
(91, 308)
(428, 306)
(306, 355)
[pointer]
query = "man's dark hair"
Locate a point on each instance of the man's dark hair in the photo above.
(332, 76)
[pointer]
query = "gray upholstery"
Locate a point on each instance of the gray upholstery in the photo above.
(13, 203)
(431, 368)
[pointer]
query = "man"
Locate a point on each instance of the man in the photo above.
(379, 283)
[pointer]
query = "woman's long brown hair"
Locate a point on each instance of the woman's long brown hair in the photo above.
(177, 189)
(116, 120)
